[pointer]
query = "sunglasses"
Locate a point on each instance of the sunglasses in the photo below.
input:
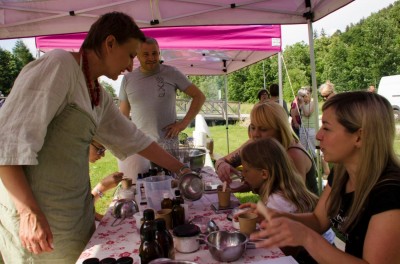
(325, 97)
(99, 151)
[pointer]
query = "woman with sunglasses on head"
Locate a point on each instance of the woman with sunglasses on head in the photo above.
(54, 111)
(362, 198)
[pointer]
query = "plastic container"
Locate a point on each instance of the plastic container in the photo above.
(155, 187)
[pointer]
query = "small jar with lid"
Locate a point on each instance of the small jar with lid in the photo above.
(186, 238)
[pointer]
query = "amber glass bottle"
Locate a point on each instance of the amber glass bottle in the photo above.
(164, 239)
(148, 222)
(178, 214)
(149, 248)
(166, 203)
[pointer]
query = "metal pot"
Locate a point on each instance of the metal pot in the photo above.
(226, 246)
(191, 186)
(197, 158)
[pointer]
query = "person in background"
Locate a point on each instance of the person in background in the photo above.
(307, 128)
(274, 92)
(326, 90)
(362, 198)
(269, 171)
(262, 95)
(269, 120)
(295, 111)
(371, 89)
(148, 97)
(46, 127)
(96, 152)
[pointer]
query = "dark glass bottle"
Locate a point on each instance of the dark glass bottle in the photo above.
(149, 248)
(166, 203)
(164, 239)
(148, 222)
(179, 197)
(178, 214)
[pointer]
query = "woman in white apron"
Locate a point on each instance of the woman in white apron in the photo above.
(53, 112)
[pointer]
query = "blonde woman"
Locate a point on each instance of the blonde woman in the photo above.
(362, 198)
(269, 120)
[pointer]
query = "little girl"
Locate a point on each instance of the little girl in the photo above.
(271, 174)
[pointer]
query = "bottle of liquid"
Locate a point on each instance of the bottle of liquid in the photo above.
(164, 239)
(166, 203)
(178, 214)
(179, 197)
(140, 194)
(127, 190)
(149, 248)
(148, 222)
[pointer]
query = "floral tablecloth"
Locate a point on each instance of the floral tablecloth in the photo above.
(124, 239)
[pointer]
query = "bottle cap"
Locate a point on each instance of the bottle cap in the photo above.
(165, 195)
(177, 193)
(160, 224)
(148, 214)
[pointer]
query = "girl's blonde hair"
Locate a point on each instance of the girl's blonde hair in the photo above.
(372, 115)
(272, 115)
(269, 154)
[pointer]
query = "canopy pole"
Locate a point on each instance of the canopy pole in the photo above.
(314, 95)
(280, 78)
(226, 106)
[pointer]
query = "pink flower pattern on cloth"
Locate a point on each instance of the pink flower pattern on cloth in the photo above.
(123, 240)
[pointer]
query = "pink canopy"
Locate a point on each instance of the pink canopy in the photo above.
(198, 50)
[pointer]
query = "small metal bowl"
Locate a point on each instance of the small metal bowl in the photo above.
(226, 246)
(197, 158)
(170, 261)
(191, 186)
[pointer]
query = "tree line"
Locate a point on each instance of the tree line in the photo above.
(352, 60)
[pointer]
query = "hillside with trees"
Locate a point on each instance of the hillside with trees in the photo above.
(352, 60)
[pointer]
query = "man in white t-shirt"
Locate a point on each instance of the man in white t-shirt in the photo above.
(148, 97)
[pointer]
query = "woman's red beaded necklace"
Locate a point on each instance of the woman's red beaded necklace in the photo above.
(93, 92)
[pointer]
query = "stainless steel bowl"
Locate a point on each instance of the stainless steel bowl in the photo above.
(191, 186)
(170, 261)
(197, 158)
(226, 246)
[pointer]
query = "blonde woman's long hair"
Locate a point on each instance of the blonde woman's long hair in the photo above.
(273, 115)
(373, 115)
(269, 154)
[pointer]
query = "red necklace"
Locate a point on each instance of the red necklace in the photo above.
(93, 92)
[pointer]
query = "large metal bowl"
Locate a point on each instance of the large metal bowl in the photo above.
(197, 158)
(226, 246)
(191, 186)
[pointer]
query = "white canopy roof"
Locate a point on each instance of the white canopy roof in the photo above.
(27, 18)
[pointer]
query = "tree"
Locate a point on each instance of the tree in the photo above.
(8, 71)
(22, 54)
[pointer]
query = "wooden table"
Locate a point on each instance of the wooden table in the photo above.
(124, 239)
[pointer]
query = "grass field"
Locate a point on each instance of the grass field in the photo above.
(237, 135)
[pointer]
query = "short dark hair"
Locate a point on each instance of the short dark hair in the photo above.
(261, 92)
(118, 24)
(274, 89)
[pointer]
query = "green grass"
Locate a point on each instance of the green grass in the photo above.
(237, 136)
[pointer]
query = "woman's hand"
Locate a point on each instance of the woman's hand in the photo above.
(224, 171)
(35, 233)
(111, 181)
(281, 232)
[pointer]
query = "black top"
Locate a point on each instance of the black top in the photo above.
(383, 197)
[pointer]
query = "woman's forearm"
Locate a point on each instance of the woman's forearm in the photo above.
(15, 182)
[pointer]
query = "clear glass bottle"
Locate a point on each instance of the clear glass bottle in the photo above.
(164, 239)
(149, 248)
